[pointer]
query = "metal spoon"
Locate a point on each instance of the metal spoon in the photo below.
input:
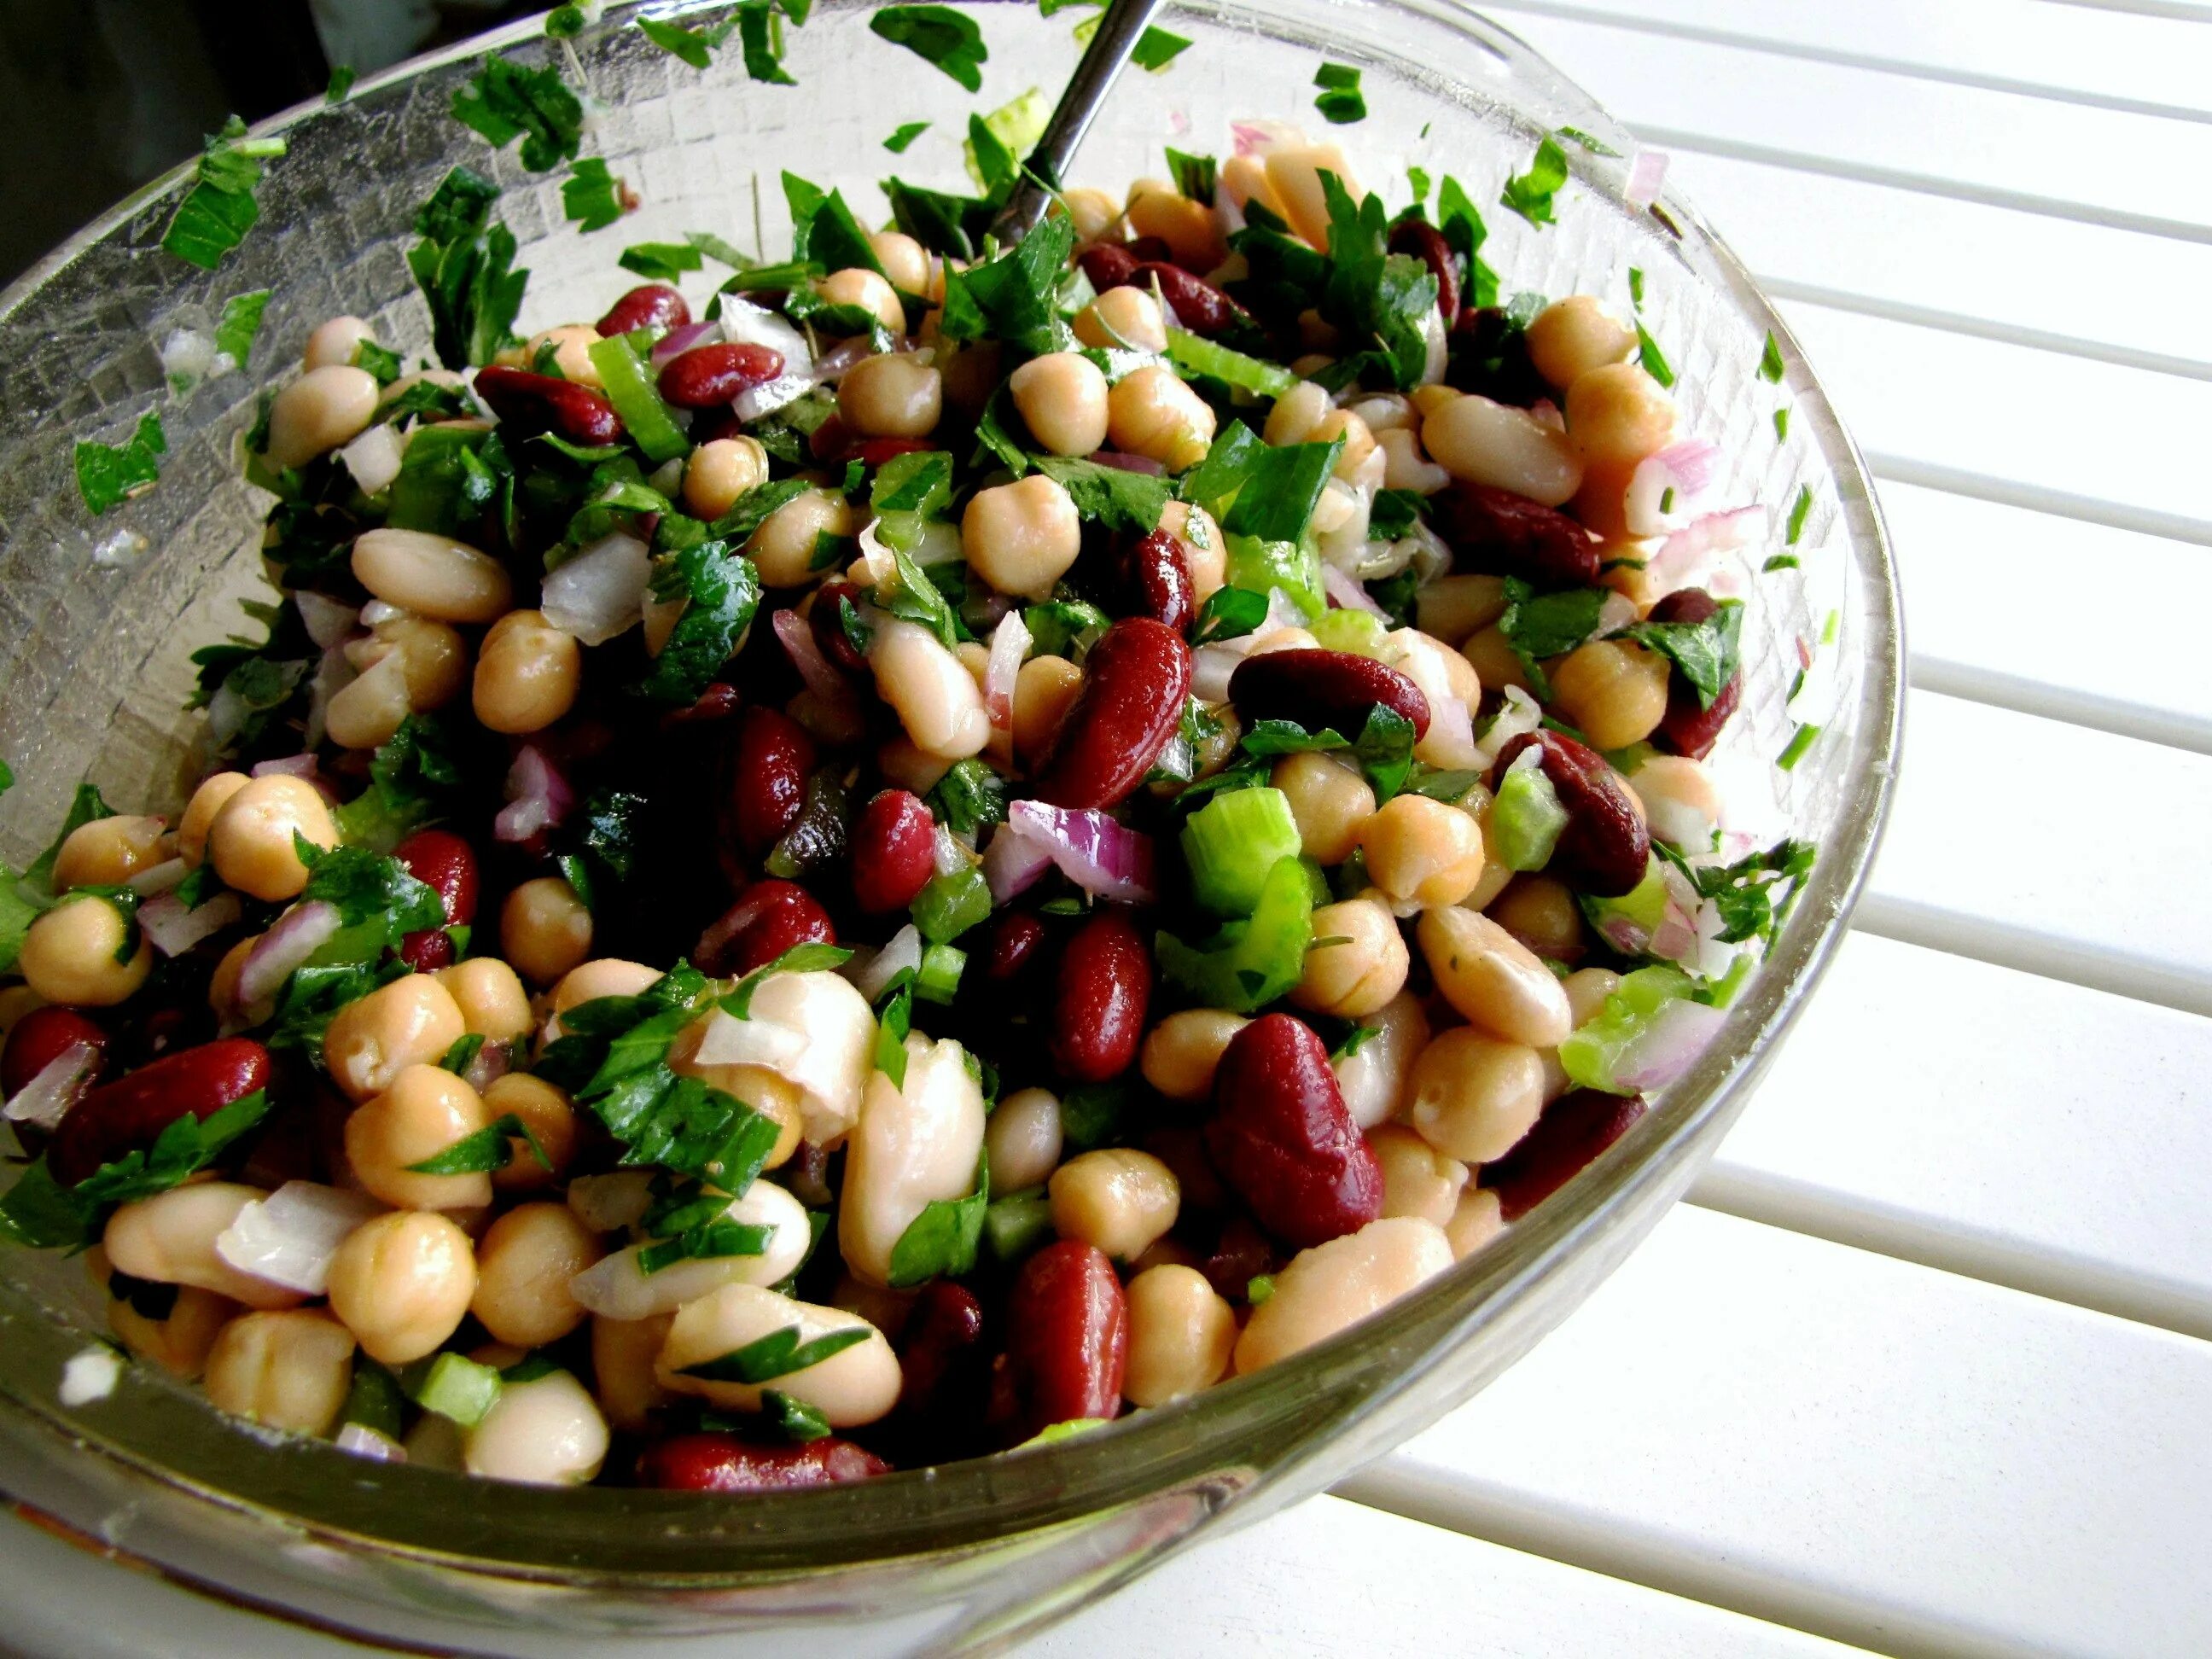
(1119, 29)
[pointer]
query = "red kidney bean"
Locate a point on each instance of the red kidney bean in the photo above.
(1135, 680)
(1068, 1336)
(40, 1038)
(894, 845)
(1688, 727)
(765, 779)
(724, 1463)
(829, 441)
(710, 374)
(942, 1352)
(539, 402)
(1514, 536)
(720, 702)
(1283, 1138)
(1574, 1129)
(1337, 689)
(826, 618)
(650, 304)
(1241, 1255)
(1605, 849)
(1104, 988)
(129, 1112)
(1107, 264)
(426, 951)
(1199, 306)
(1015, 945)
(1149, 250)
(445, 863)
(769, 917)
(1419, 240)
(1159, 580)
(1489, 356)
(1182, 1149)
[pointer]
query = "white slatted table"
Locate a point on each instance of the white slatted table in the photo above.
(1923, 1369)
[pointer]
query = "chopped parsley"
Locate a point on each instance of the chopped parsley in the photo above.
(591, 196)
(1109, 496)
(794, 1419)
(1195, 176)
(505, 101)
(1595, 147)
(1157, 48)
(1781, 426)
(1538, 625)
(40, 1213)
(968, 798)
(1228, 613)
(1705, 653)
(694, 46)
(898, 141)
(1464, 232)
(1530, 194)
(220, 209)
(107, 473)
(780, 1352)
(940, 35)
(1798, 746)
(942, 1239)
(1340, 101)
(1798, 513)
(1654, 359)
(490, 1148)
(760, 36)
(342, 77)
(824, 234)
(661, 262)
(1383, 301)
(465, 267)
(1779, 562)
(1280, 492)
(1770, 362)
(723, 592)
(241, 321)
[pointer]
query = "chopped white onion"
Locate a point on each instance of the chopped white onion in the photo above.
(1614, 612)
(288, 1237)
(122, 550)
(1668, 1047)
(374, 458)
(1099, 854)
(89, 1376)
(949, 853)
(327, 621)
(1450, 741)
(1646, 173)
(729, 1041)
(42, 1101)
(1685, 557)
(159, 878)
(298, 934)
(172, 930)
(1009, 643)
(361, 1441)
(537, 796)
(600, 592)
(903, 955)
(1667, 489)
(882, 566)
(1349, 593)
(1517, 716)
(188, 356)
(1210, 666)
(332, 675)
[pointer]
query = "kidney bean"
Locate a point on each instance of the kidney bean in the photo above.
(1574, 1129)
(769, 917)
(1334, 689)
(724, 1463)
(1283, 1138)
(1241, 1255)
(1104, 988)
(720, 702)
(539, 403)
(650, 304)
(1014, 945)
(41, 1037)
(1490, 355)
(1159, 580)
(710, 374)
(827, 620)
(872, 452)
(764, 779)
(129, 1112)
(1182, 1149)
(1199, 306)
(829, 441)
(1107, 264)
(1135, 680)
(1688, 727)
(426, 951)
(443, 862)
(941, 1358)
(893, 851)
(1605, 849)
(1513, 536)
(1068, 1336)
(1150, 250)
(1419, 240)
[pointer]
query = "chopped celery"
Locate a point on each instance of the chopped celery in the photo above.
(939, 977)
(454, 1387)
(627, 381)
(1589, 1055)
(951, 904)
(1017, 1223)
(1627, 923)
(1231, 843)
(1248, 965)
(1234, 368)
(1527, 819)
(1357, 631)
(1256, 566)
(375, 1401)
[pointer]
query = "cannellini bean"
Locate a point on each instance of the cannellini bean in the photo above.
(1334, 1286)
(169, 1238)
(324, 407)
(1024, 1138)
(616, 1288)
(1373, 1075)
(544, 1432)
(855, 1385)
(1481, 442)
(1493, 980)
(433, 576)
(935, 698)
(913, 1144)
(1476, 1219)
(623, 1352)
(1417, 1179)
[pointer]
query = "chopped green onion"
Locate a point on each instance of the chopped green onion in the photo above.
(939, 976)
(1359, 632)
(1232, 845)
(627, 381)
(1527, 819)
(1197, 356)
(454, 1387)
(951, 904)
(1788, 758)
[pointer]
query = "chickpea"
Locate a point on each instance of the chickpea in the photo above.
(1152, 414)
(1453, 609)
(1472, 1096)
(1491, 654)
(1614, 690)
(572, 344)
(1181, 1335)
(401, 1283)
(935, 698)
(1182, 1053)
(623, 1355)
(1587, 990)
(170, 1239)
(222, 984)
(1359, 444)
(1096, 212)
(107, 852)
(69, 956)
(1295, 414)
(905, 261)
(894, 395)
(1116, 1198)
(854, 1386)
(1540, 911)
(523, 1270)
(1492, 979)
(334, 342)
(1062, 397)
(1023, 1138)
(1428, 399)
(545, 929)
(180, 1341)
(858, 286)
(1043, 691)
(908, 768)
(1357, 976)
(323, 409)
(545, 1432)
(421, 1114)
(602, 976)
(1481, 442)
(1127, 319)
(1021, 538)
(366, 711)
(1204, 555)
(433, 576)
(721, 471)
(1334, 1286)
(1475, 1220)
(1619, 414)
(1417, 1179)
(1570, 337)
(1680, 802)
(527, 673)
(1329, 803)
(250, 840)
(547, 1112)
(1423, 852)
(411, 1021)
(1406, 466)
(200, 813)
(492, 1001)
(432, 655)
(1373, 1075)
(1188, 227)
(284, 1370)
(783, 547)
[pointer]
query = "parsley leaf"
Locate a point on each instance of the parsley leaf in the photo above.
(365, 885)
(219, 209)
(1157, 48)
(505, 101)
(794, 1419)
(1014, 297)
(1706, 652)
(1539, 625)
(1384, 300)
(1340, 101)
(1770, 362)
(1228, 613)
(1654, 359)
(1282, 486)
(465, 267)
(724, 593)
(591, 196)
(915, 599)
(967, 798)
(823, 231)
(1744, 892)
(946, 38)
(694, 46)
(760, 35)
(892, 1025)
(342, 75)
(239, 322)
(106, 473)
(411, 780)
(1529, 194)
(1109, 496)
(1395, 513)
(809, 958)
(1195, 176)
(660, 262)
(187, 1145)
(780, 1352)
(490, 1148)
(942, 1239)
(1464, 232)
(898, 141)
(1799, 512)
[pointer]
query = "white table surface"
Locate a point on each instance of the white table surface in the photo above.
(1922, 1367)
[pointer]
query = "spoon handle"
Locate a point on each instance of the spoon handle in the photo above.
(1119, 27)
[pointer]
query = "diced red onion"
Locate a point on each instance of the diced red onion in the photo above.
(1013, 863)
(902, 954)
(1349, 593)
(1450, 740)
(1666, 489)
(293, 766)
(1515, 716)
(600, 592)
(537, 796)
(831, 365)
(373, 1444)
(492, 1063)
(1669, 1046)
(1009, 643)
(1684, 556)
(821, 675)
(373, 458)
(160, 879)
(172, 930)
(1257, 137)
(327, 621)
(1228, 214)
(1099, 854)
(42, 1101)
(1675, 938)
(298, 934)
(1123, 462)
(1646, 173)
(677, 341)
(1623, 934)
(288, 1237)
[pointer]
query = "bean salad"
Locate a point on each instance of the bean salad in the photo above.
(958, 842)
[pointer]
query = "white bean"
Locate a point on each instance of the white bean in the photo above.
(936, 698)
(617, 1288)
(913, 1145)
(857, 1384)
(1334, 1286)
(544, 1432)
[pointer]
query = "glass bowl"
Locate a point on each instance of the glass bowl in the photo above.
(94, 672)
